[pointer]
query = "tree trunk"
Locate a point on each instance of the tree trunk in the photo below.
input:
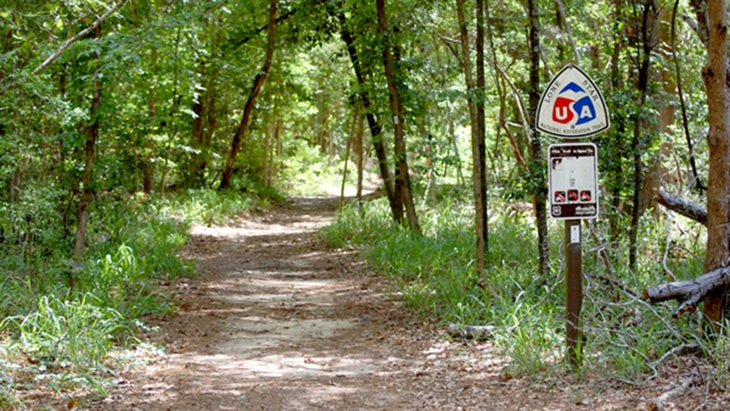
(477, 134)
(92, 133)
(200, 109)
(717, 140)
(258, 83)
(376, 130)
(400, 152)
(682, 206)
(480, 186)
(697, 182)
(538, 161)
(648, 41)
(360, 153)
(145, 163)
(613, 175)
(348, 148)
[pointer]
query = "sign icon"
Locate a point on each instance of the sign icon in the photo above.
(572, 106)
(573, 180)
(572, 195)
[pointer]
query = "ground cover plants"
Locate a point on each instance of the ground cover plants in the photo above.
(626, 340)
(62, 317)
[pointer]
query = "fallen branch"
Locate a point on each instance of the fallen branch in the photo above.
(688, 292)
(683, 207)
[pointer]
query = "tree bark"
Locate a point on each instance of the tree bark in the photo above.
(360, 153)
(480, 186)
(648, 41)
(689, 292)
(396, 108)
(680, 94)
(258, 83)
(717, 188)
(680, 205)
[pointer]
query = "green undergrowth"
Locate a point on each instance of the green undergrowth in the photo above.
(625, 338)
(61, 317)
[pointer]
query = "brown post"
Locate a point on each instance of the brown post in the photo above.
(573, 292)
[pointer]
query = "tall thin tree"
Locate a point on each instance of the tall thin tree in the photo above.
(396, 108)
(477, 130)
(376, 129)
(92, 134)
(714, 75)
(537, 165)
(258, 83)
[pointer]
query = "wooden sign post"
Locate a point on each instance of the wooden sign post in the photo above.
(572, 107)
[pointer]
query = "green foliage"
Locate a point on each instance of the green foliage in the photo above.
(168, 71)
(75, 334)
(308, 171)
(64, 316)
(626, 338)
(215, 207)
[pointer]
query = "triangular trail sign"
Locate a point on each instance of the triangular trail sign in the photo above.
(572, 106)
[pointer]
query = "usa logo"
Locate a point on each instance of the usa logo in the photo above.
(572, 106)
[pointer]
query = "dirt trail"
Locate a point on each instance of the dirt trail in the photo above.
(276, 321)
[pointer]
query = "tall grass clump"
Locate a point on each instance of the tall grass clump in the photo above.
(74, 334)
(626, 338)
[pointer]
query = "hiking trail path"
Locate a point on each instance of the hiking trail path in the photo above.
(276, 320)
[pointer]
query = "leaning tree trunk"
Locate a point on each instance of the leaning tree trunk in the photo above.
(397, 111)
(258, 83)
(376, 130)
(92, 133)
(717, 140)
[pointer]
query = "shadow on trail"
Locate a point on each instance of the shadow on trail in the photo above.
(276, 321)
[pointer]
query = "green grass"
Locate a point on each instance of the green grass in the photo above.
(625, 338)
(60, 318)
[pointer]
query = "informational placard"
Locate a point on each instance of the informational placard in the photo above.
(573, 180)
(572, 106)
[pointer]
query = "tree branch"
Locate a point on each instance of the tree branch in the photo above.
(688, 292)
(682, 206)
(78, 36)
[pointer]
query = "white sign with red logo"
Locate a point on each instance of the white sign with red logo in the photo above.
(572, 106)
(573, 180)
